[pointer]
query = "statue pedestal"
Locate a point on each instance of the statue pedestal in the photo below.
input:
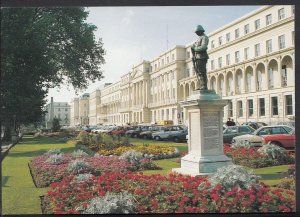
(205, 125)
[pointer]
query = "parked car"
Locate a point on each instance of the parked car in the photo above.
(233, 131)
(261, 124)
(178, 136)
(167, 133)
(148, 133)
(255, 138)
(254, 125)
(288, 123)
(118, 131)
(136, 132)
(287, 141)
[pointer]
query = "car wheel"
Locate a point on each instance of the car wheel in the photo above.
(135, 136)
(176, 139)
(145, 137)
(157, 138)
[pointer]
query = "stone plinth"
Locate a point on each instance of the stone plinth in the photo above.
(205, 145)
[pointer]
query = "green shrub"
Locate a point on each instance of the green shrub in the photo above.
(83, 136)
(273, 151)
(79, 153)
(234, 176)
(132, 156)
(79, 166)
(85, 149)
(53, 152)
(56, 159)
(83, 177)
(111, 203)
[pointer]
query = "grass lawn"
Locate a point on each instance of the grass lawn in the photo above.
(19, 195)
(272, 175)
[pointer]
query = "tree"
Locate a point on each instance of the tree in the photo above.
(55, 125)
(43, 48)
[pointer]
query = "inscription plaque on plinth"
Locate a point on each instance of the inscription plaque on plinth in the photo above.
(206, 152)
(211, 131)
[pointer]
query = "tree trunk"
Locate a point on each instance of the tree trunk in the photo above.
(7, 133)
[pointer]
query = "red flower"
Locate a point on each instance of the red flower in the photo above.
(215, 197)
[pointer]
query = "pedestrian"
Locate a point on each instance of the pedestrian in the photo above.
(229, 122)
(232, 122)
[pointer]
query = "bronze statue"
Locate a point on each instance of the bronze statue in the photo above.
(200, 56)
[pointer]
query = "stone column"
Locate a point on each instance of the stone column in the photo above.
(234, 81)
(205, 125)
(133, 94)
(267, 73)
(279, 63)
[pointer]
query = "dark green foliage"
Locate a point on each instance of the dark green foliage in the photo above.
(43, 48)
(55, 125)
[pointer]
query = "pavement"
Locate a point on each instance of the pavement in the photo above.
(5, 148)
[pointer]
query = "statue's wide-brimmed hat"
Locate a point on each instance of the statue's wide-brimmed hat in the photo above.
(199, 28)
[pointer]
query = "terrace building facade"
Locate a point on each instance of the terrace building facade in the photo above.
(60, 110)
(251, 63)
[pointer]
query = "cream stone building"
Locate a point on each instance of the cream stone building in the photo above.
(80, 110)
(74, 121)
(166, 72)
(60, 110)
(251, 63)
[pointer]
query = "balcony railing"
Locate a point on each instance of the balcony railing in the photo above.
(163, 102)
(125, 109)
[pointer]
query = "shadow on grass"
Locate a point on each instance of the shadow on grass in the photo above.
(37, 152)
(33, 141)
(273, 176)
(4, 180)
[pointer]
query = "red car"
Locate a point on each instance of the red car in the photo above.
(118, 131)
(283, 140)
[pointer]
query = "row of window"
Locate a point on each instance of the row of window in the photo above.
(170, 114)
(262, 107)
(163, 78)
(164, 94)
(162, 63)
(62, 109)
(257, 52)
(257, 25)
(59, 117)
(284, 79)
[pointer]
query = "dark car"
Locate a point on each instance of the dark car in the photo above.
(178, 136)
(130, 130)
(233, 131)
(254, 125)
(168, 133)
(148, 133)
(136, 132)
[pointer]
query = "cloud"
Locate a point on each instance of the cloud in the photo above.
(127, 19)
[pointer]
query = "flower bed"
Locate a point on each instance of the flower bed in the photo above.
(165, 194)
(47, 169)
(153, 151)
(256, 158)
(107, 145)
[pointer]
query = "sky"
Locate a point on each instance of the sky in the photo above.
(133, 34)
